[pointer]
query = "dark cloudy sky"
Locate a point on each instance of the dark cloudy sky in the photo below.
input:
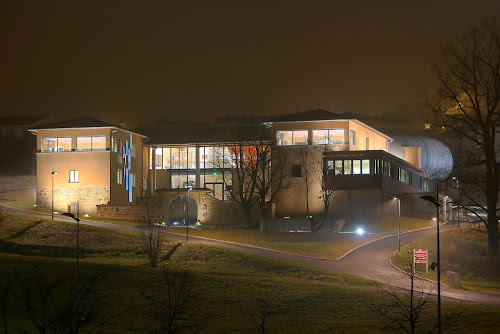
(196, 60)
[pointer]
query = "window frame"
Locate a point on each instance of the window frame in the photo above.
(73, 176)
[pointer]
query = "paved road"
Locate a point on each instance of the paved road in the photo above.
(370, 261)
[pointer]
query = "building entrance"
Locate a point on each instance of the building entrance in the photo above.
(180, 209)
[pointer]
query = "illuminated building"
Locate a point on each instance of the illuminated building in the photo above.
(370, 167)
(97, 163)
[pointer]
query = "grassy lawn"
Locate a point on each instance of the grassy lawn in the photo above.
(322, 245)
(463, 250)
(25, 205)
(390, 224)
(227, 284)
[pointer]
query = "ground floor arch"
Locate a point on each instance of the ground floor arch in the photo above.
(183, 210)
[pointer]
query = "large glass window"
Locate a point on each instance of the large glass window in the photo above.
(365, 166)
(99, 143)
(59, 144)
(347, 167)
(387, 168)
(64, 144)
(182, 179)
(159, 158)
(166, 158)
(295, 137)
(174, 158)
(356, 167)
(404, 175)
(191, 155)
(94, 143)
(184, 157)
(328, 136)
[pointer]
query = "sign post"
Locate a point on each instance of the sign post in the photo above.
(420, 256)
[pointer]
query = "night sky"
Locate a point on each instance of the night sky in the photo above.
(140, 61)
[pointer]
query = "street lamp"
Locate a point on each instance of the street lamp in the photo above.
(435, 201)
(399, 223)
(53, 173)
(458, 207)
(77, 219)
(188, 188)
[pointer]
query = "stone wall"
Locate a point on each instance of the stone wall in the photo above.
(124, 212)
(87, 197)
(211, 211)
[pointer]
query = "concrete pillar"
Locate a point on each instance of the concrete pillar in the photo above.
(152, 158)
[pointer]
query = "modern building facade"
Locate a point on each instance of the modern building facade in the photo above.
(85, 163)
(99, 163)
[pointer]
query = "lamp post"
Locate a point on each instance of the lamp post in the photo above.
(458, 207)
(188, 188)
(77, 219)
(435, 201)
(53, 173)
(399, 223)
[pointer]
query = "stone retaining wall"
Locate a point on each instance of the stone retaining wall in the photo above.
(87, 197)
(123, 212)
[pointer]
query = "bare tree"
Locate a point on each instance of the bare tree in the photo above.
(261, 308)
(52, 305)
(466, 105)
(402, 310)
(318, 182)
(152, 215)
(171, 303)
(5, 293)
(408, 310)
(259, 171)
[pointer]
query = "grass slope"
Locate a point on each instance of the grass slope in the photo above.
(311, 300)
(463, 250)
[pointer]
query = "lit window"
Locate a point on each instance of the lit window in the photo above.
(295, 137)
(113, 144)
(119, 176)
(119, 150)
(338, 167)
(49, 144)
(132, 177)
(166, 158)
(347, 167)
(352, 137)
(404, 175)
(328, 136)
(97, 143)
(427, 126)
(73, 176)
(174, 162)
(62, 144)
(356, 166)
(365, 166)
(367, 145)
(159, 158)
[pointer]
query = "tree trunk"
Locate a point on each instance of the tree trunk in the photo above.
(492, 236)
(263, 220)
(247, 212)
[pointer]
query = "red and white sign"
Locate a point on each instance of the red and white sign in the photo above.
(420, 256)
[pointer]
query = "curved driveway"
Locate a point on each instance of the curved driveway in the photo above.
(370, 261)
